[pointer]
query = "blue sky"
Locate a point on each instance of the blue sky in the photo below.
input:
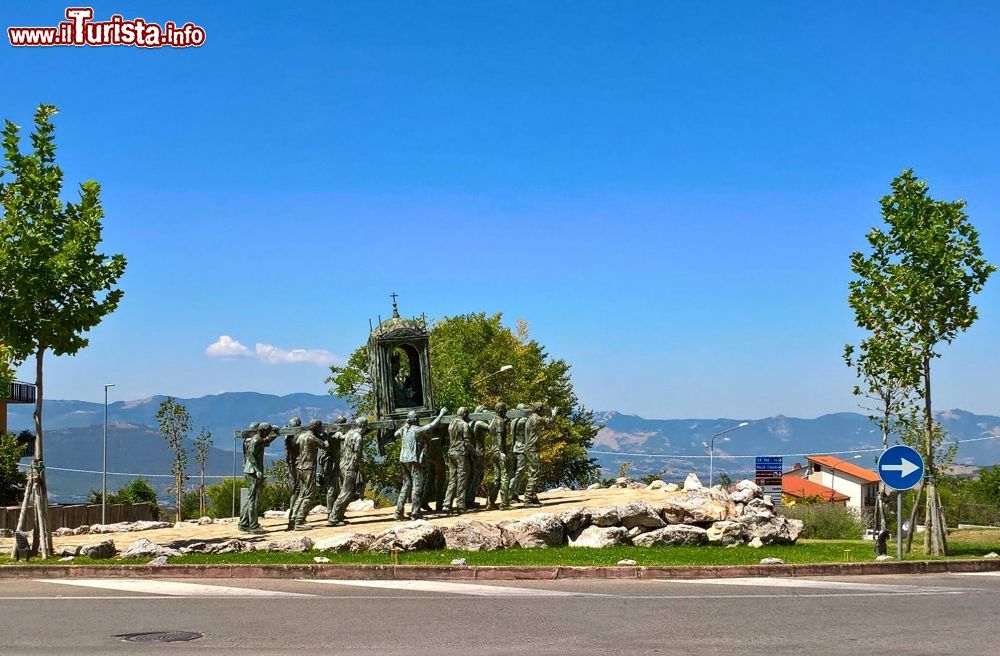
(668, 192)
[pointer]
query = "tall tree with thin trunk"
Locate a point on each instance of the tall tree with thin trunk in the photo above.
(919, 279)
(202, 447)
(888, 373)
(175, 424)
(54, 283)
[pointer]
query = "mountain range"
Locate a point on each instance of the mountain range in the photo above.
(673, 447)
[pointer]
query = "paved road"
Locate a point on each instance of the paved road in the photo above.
(886, 614)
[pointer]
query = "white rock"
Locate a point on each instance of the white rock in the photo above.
(672, 536)
(636, 530)
(472, 535)
(320, 559)
(771, 561)
(575, 519)
(345, 542)
(62, 532)
(124, 527)
(884, 557)
(319, 509)
(605, 516)
(772, 529)
(726, 533)
(992, 555)
(204, 521)
(671, 487)
(159, 561)
(755, 543)
(143, 548)
(66, 559)
(299, 544)
(410, 536)
(598, 537)
(639, 513)
(744, 491)
(361, 505)
(594, 486)
(68, 550)
(697, 506)
(692, 482)
(459, 562)
(538, 530)
(657, 485)
(561, 488)
(627, 562)
(275, 514)
(100, 550)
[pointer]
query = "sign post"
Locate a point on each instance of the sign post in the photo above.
(768, 477)
(900, 468)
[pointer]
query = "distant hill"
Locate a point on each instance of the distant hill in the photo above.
(629, 434)
(73, 437)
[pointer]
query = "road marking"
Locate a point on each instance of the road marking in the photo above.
(171, 588)
(813, 584)
(976, 573)
(473, 589)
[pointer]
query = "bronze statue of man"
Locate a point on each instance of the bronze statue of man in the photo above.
(253, 469)
(291, 457)
(516, 454)
(350, 469)
(477, 459)
(434, 473)
(328, 469)
(496, 459)
(412, 438)
(309, 444)
(529, 460)
(460, 436)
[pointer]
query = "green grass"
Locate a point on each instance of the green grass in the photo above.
(809, 551)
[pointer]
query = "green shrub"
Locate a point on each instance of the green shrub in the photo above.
(827, 521)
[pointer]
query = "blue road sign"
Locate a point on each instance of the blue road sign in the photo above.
(900, 467)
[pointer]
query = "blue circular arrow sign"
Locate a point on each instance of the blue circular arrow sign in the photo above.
(900, 467)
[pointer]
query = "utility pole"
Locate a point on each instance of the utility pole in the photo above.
(104, 470)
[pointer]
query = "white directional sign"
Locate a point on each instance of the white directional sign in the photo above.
(900, 467)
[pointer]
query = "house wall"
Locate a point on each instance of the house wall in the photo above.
(856, 489)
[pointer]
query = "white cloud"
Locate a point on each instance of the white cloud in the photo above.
(227, 347)
(275, 355)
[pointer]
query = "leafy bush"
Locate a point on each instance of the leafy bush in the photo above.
(138, 490)
(827, 521)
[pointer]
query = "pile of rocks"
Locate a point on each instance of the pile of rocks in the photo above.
(693, 516)
(119, 527)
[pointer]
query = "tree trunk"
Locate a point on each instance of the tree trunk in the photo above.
(179, 490)
(201, 492)
(913, 518)
(42, 492)
(932, 515)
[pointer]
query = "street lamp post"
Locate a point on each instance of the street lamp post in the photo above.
(711, 450)
(104, 470)
(833, 484)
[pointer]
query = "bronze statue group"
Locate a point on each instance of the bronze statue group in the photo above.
(505, 449)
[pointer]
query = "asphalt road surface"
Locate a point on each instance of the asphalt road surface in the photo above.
(939, 614)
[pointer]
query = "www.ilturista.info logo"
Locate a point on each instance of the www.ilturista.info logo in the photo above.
(79, 29)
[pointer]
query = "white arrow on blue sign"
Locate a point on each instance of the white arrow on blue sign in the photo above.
(900, 467)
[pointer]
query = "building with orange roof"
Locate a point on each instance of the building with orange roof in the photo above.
(795, 489)
(858, 484)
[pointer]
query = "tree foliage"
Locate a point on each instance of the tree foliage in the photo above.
(202, 447)
(12, 479)
(912, 293)
(138, 490)
(54, 283)
(175, 424)
(467, 354)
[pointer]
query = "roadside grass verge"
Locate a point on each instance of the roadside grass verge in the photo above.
(807, 551)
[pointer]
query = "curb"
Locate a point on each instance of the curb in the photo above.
(482, 573)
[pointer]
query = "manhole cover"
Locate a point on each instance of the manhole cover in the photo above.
(159, 636)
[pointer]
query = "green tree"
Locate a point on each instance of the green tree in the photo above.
(467, 354)
(191, 505)
(278, 490)
(54, 283)
(7, 367)
(919, 278)
(138, 490)
(222, 497)
(985, 488)
(12, 479)
(202, 447)
(175, 424)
